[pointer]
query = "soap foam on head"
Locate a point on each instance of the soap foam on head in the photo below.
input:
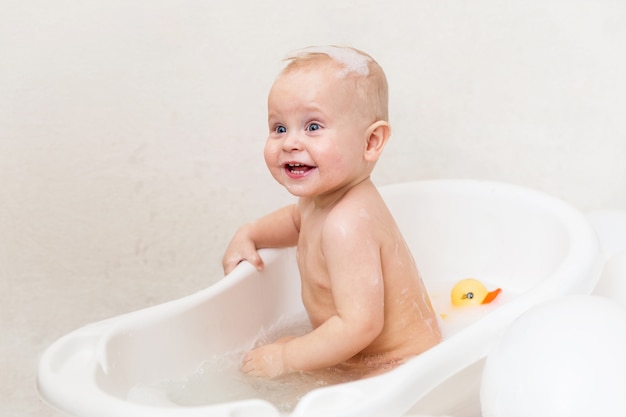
(351, 59)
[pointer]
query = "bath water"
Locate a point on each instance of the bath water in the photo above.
(219, 380)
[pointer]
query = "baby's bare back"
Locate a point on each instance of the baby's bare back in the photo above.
(355, 264)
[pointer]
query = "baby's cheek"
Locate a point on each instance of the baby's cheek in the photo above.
(270, 156)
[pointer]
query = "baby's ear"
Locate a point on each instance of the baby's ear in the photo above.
(378, 135)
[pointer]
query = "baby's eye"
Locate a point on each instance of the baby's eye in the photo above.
(280, 129)
(313, 127)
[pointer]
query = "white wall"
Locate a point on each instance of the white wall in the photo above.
(131, 131)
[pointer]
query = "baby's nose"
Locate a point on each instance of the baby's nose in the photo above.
(292, 142)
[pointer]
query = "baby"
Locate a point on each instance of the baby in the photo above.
(368, 307)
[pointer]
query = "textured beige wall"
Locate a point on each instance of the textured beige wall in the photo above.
(131, 132)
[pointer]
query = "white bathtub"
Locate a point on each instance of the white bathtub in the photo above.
(531, 245)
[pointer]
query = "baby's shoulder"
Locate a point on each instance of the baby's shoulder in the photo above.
(352, 216)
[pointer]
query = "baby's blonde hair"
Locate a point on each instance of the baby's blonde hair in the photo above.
(368, 78)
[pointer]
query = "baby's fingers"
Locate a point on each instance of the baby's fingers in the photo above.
(263, 362)
(249, 366)
(229, 263)
(256, 260)
(246, 366)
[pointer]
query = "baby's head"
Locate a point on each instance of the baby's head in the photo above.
(327, 119)
(362, 74)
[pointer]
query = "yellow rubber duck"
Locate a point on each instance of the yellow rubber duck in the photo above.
(471, 291)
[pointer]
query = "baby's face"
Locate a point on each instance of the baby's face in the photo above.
(317, 135)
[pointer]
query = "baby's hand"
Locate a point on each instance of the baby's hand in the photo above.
(241, 248)
(266, 361)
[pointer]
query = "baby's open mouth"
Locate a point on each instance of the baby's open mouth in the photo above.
(298, 169)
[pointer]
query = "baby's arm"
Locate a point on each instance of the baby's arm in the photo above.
(354, 266)
(277, 229)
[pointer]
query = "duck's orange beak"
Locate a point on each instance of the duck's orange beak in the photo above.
(491, 296)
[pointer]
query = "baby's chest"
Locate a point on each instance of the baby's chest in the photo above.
(309, 249)
(310, 253)
(317, 296)
(312, 267)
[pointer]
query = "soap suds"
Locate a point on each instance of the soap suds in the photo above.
(352, 60)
